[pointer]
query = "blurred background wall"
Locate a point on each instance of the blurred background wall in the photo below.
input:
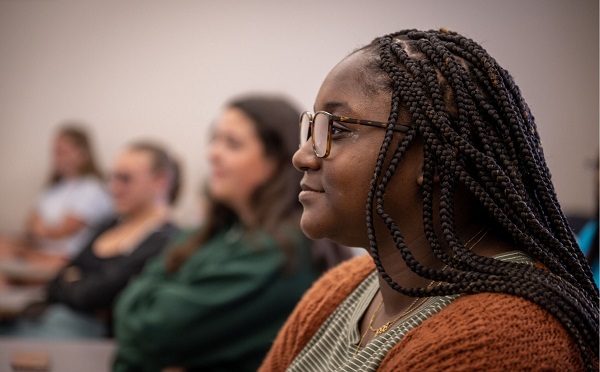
(163, 69)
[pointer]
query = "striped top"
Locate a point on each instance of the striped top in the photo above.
(333, 347)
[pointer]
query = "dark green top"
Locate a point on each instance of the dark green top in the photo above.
(219, 312)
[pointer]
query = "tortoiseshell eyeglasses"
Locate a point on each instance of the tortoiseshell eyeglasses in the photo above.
(318, 126)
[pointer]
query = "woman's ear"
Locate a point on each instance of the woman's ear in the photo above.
(436, 177)
(162, 183)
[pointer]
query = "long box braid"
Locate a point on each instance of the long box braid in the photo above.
(478, 132)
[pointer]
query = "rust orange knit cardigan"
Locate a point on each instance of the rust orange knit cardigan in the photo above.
(485, 331)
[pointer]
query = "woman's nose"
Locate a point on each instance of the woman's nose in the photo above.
(213, 152)
(305, 159)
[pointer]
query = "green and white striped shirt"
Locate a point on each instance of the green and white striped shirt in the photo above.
(334, 345)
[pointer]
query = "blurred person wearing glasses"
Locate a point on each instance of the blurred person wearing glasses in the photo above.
(144, 183)
(217, 298)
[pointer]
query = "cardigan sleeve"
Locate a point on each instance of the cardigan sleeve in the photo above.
(486, 331)
(313, 309)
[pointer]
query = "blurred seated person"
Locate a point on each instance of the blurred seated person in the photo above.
(74, 200)
(587, 237)
(216, 299)
(144, 183)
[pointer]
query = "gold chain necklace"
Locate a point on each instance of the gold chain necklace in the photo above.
(413, 306)
(388, 325)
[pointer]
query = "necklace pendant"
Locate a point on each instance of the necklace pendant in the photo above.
(381, 330)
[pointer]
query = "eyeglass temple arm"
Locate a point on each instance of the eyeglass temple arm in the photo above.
(397, 127)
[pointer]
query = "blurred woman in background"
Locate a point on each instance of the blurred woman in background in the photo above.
(144, 183)
(216, 300)
(73, 201)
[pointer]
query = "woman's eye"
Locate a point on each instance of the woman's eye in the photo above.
(234, 143)
(338, 129)
(228, 141)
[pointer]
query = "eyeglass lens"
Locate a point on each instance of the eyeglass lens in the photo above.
(304, 128)
(321, 130)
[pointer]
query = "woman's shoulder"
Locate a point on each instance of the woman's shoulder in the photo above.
(157, 239)
(489, 330)
(316, 305)
(169, 229)
(333, 287)
(337, 283)
(90, 182)
(88, 189)
(348, 273)
(507, 313)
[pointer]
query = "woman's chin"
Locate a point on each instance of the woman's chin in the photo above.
(311, 229)
(316, 228)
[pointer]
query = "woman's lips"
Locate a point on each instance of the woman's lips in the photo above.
(306, 187)
(308, 192)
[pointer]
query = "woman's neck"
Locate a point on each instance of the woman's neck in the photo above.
(155, 211)
(245, 214)
(400, 273)
(131, 231)
(69, 177)
(475, 237)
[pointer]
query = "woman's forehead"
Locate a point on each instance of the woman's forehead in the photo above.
(344, 78)
(343, 90)
(234, 120)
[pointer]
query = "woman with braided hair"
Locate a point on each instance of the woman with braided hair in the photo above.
(472, 263)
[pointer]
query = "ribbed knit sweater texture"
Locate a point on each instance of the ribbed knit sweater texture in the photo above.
(486, 331)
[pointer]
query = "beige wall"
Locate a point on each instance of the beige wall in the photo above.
(162, 69)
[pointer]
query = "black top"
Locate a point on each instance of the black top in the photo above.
(90, 283)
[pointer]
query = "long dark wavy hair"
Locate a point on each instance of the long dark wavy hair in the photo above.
(477, 133)
(275, 203)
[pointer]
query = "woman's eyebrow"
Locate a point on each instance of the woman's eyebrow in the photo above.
(337, 106)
